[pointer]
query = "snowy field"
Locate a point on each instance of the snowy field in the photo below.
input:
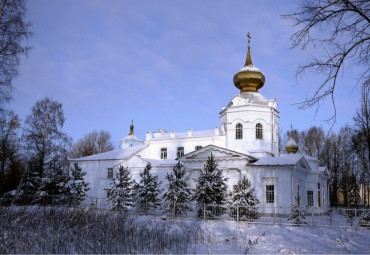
(58, 230)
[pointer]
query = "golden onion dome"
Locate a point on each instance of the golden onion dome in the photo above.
(291, 146)
(249, 78)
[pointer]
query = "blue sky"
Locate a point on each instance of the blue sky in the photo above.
(164, 64)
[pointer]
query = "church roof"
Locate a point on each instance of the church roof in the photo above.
(161, 162)
(112, 155)
(245, 98)
(223, 153)
(130, 138)
(201, 133)
(282, 160)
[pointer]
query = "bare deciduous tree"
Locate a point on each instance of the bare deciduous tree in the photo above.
(11, 163)
(13, 33)
(9, 144)
(361, 141)
(312, 141)
(92, 143)
(340, 31)
(45, 141)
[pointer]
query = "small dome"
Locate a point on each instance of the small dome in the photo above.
(291, 146)
(130, 140)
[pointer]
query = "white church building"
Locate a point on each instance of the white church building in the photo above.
(244, 144)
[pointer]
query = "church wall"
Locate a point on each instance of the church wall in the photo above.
(154, 149)
(249, 116)
(312, 183)
(299, 176)
(230, 168)
(279, 176)
(137, 166)
(97, 176)
(127, 144)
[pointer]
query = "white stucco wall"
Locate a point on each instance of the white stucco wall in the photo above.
(249, 113)
(153, 151)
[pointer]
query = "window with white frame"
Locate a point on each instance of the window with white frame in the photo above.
(180, 152)
(309, 198)
(110, 173)
(259, 131)
(198, 147)
(163, 153)
(239, 131)
(270, 194)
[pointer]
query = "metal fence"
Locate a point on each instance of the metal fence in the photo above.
(280, 214)
(262, 214)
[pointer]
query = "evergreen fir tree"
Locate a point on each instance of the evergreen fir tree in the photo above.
(211, 188)
(52, 189)
(120, 194)
(296, 212)
(365, 219)
(76, 186)
(27, 188)
(244, 200)
(178, 194)
(147, 191)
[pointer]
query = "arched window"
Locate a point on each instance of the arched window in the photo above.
(239, 131)
(259, 131)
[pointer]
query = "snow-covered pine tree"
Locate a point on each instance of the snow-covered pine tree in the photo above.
(76, 187)
(211, 189)
(52, 189)
(178, 194)
(365, 219)
(296, 215)
(245, 200)
(120, 194)
(147, 191)
(27, 188)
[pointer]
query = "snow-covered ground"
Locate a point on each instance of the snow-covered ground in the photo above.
(58, 230)
(232, 237)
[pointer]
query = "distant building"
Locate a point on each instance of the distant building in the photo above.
(245, 144)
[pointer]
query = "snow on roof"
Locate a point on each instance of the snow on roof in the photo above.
(254, 98)
(112, 155)
(161, 162)
(283, 159)
(275, 161)
(250, 68)
(291, 142)
(244, 98)
(201, 133)
(130, 138)
(322, 168)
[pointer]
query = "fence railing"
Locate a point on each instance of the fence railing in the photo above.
(263, 213)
